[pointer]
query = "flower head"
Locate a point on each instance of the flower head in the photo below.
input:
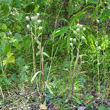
(74, 40)
(71, 44)
(71, 39)
(74, 32)
(37, 14)
(38, 21)
(40, 27)
(27, 18)
(83, 37)
(84, 28)
(77, 29)
(28, 26)
(78, 24)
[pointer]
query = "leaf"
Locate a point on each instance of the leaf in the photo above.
(44, 53)
(49, 88)
(77, 16)
(18, 37)
(35, 76)
(60, 32)
(10, 59)
(92, 1)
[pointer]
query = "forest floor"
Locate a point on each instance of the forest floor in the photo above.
(29, 99)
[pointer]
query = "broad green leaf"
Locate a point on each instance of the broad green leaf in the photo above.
(10, 59)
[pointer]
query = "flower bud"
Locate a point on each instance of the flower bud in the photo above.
(77, 29)
(40, 27)
(74, 40)
(74, 32)
(71, 39)
(84, 29)
(37, 14)
(28, 26)
(38, 21)
(83, 37)
(27, 18)
(71, 44)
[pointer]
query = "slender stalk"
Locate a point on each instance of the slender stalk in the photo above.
(75, 66)
(98, 62)
(34, 59)
(42, 62)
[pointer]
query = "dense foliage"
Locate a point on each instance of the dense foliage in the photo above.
(55, 54)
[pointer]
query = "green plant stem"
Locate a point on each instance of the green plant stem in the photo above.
(42, 62)
(34, 59)
(75, 66)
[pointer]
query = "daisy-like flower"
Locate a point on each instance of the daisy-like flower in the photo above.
(40, 27)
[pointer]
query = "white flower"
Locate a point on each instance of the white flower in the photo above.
(34, 17)
(83, 37)
(77, 29)
(12, 13)
(74, 40)
(71, 39)
(99, 47)
(37, 14)
(38, 21)
(97, 20)
(84, 29)
(40, 27)
(71, 44)
(78, 24)
(74, 32)
(28, 26)
(27, 18)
